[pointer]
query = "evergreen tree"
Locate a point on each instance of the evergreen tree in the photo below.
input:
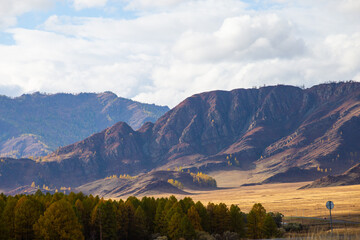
(149, 207)
(134, 201)
(255, 221)
(176, 208)
(237, 220)
(104, 220)
(2, 207)
(277, 218)
(125, 220)
(222, 218)
(270, 229)
(194, 218)
(174, 230)
(27, 212)
(186, 229)
(139, 227)
(159, 220)
(186, 203)
(212, 220)
(200, 208)
(122, 221)
(8, 218)
(59, 222)
(81, 215)
(88, 204)
(2, 204)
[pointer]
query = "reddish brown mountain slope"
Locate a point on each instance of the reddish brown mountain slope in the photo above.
(350, 177)
(274, 131)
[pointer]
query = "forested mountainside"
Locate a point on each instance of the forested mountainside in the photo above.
(36, 124)
(280, 133)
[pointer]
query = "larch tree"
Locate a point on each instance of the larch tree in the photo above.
(59, 222)
(27, 212)
(194, 218)
(255, 221)
(104, 220)
(222, 218)
(187, 230)
(174, 230)
(201, 209)
(237, 220)
(8, 218)
(269, 228)
(139, 227)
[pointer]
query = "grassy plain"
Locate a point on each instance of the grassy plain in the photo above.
(287, 199)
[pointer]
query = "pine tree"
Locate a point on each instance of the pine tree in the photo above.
(200, 208)
(149, 206)
(122, 221)
(8, 218)
(59, 222)
(194, 218)
(255, 221)
(270, 229)
(237, 221)
(139, 227)
(212, 220)
(80, 213)
(2, 207)
(186, 228)
(27, 212)
(88, 203)
(159, 225)
(186, 203)
(104, 220)
(222, 218)
(174, 230)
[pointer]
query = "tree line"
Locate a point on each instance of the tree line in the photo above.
(77, 216)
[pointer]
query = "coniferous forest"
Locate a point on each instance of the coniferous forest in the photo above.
(76, 216)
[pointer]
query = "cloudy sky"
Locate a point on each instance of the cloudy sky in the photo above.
(162, 51)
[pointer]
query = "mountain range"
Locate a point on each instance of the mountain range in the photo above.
(36, 124)
(272, 134)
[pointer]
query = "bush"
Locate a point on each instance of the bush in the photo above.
(293, 227)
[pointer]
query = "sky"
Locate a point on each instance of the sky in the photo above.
(166, 50)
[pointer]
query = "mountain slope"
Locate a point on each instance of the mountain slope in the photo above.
(35, 124)
(273, 132)
(350, 177)
(154, 182)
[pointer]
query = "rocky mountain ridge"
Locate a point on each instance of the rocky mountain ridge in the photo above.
(36, 124)
(272, 132)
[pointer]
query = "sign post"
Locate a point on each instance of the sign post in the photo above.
(330, 205)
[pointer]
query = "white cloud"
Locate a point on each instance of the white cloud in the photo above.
(11, 9)
(150, 4)
(81, 4)
(350, 6)
(170, 50)
(242, 38)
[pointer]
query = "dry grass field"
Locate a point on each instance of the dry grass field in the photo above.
(285, 198)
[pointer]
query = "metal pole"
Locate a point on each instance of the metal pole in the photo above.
(331, 223)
